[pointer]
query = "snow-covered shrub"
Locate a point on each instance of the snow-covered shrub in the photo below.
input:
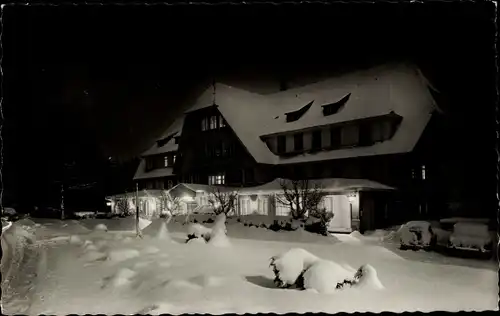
(123, 207)
(163, 233)
(323, 218)
(299, 268)
(122, 254)
(289, 267)
(222, 202)
(101, 227)
(199, 231)
(326, 276)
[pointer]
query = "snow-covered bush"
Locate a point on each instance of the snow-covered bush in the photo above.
(219, 229)
(222, 202)
(290, 266)
(199, 231)
(218, 235)
(299, 268)
(101, 227)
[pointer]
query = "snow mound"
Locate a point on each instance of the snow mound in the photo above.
(165, 264)
(101, 227)
(289, 266)
(163, 232)
(75, 240)
(199, 231)
(219, 240)
(122, 254)
(357, 235)
(218, 237)
(207, 281)
(121, 278)
(324, 276)
(150, 250)
(196, 241)
(94, 255)
(143, 223)
(368, 278)
(142, 264)
(128, 239)
(183, 285)
(9, 211)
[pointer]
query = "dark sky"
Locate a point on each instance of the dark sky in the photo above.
(98, 81)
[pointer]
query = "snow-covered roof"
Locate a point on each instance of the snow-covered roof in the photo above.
(141, 172)
(175, 127)
(331, 185)
(205, 187)
(374, 92)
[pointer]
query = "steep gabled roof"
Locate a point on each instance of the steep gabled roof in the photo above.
(175, 127)
(378, 91)
(141, 172)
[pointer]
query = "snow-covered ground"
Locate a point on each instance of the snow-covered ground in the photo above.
(81, 270)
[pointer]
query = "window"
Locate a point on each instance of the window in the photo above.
(381, 131)
(213, 122)
(226, 149)
(316, 140)
(218, 150)
(365, 134)
(173, 158)
(413, 175)
(281, 144)
(423, 172)
(350, 135)
(166, 164)
(298, 141)
(222, 122)
(170, 184)
(149, 185)
(209, 123)
(217, 179)
(204, 124)
(335, 137)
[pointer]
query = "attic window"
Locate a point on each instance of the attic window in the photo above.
(333, 108)
(296, 115)
(165, 140)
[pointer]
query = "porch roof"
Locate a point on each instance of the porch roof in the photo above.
(333, 185)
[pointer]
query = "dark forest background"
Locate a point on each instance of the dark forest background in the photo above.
(87, 88)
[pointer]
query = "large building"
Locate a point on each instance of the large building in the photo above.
(369, 125)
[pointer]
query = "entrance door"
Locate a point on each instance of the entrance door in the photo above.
(339, 205)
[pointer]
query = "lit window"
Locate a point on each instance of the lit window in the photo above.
(423, 172)
(222, 122)
(165, 161)
(213, 122)
(204, 124)
(217, 179)
(173, 158)
(413, 175)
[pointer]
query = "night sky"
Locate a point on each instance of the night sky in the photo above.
(84, 83)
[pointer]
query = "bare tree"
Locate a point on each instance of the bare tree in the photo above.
(302, 198)
(169, 205)
(223, 201)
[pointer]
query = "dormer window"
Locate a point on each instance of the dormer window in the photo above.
(333, 108)
(296, 115)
